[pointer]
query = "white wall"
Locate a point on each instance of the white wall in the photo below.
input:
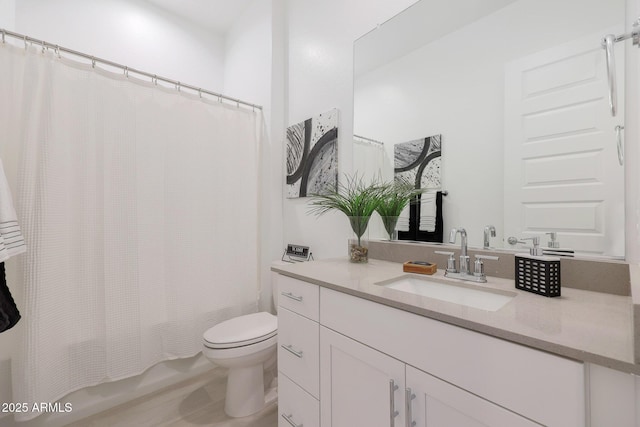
(454, 86)
(320, 77)
(130, 32)
(7, 14)
(248, 75)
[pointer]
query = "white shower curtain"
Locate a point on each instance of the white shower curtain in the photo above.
(139, 207)
(370, 160)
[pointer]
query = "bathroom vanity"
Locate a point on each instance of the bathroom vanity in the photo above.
(356, 350)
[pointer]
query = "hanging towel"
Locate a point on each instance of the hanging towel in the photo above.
(403, 219)
(11, 243)
(11, 240)
(9, 314)
(428, 210)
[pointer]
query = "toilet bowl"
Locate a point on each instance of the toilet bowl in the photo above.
(244, 345)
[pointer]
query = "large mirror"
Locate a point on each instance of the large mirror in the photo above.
(516, 93)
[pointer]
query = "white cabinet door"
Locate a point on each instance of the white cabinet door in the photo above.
(440, 404)
(359, 386)
(538, 385)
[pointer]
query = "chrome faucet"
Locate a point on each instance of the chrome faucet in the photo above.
(478, 274)
(464, 258)
(489, 231)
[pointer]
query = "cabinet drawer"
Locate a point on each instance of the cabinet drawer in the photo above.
(296, 407)
(298, 350)
(298, 296)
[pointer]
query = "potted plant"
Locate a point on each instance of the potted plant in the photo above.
(357, 201)
(394, 197)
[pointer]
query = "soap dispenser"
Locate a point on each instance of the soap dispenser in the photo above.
(553, 247)
(537, 273)
(553, 242)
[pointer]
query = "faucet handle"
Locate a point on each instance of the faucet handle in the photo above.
(535, 240)
(490, 257)
(479, 265)
(451, 262)
(444, 253)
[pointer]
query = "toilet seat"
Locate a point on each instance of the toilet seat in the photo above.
(242, 331)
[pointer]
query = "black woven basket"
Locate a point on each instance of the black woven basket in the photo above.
(538, 276)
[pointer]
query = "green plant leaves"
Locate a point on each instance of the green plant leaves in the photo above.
(358, 201)
(354, 198)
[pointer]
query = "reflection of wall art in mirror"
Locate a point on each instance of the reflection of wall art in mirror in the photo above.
(419, 162)
(312, 155)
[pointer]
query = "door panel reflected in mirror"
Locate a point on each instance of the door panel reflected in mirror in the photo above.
(518, 92)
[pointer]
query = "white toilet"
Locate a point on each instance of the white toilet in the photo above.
(246, 345)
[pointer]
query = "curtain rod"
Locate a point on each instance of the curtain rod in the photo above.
(365, 139)
(154, 78)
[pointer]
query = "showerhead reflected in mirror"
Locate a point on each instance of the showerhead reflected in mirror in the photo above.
(518, 92)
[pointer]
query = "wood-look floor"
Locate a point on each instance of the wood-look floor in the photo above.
(198, 402)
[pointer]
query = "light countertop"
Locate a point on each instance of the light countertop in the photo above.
(582, 325)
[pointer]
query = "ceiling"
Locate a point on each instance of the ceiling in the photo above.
(215, 15)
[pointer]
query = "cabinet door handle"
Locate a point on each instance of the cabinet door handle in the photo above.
(619, 144)
(292, 296)
(608, 44)
(290, 421)
(408, 397)
(392, 403)
(290, 349)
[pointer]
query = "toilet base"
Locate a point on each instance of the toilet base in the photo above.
(271, 394)
(245, 391)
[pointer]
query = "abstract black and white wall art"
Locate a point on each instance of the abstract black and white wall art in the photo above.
(312, 155)
(419, 162)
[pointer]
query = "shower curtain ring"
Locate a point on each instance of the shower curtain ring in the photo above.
(126, 72)
(3, 35)
(200, 92)
(178, 86)
(43, 46)
(93, 62)
(57, 51)
(25, 42)
(154, 79)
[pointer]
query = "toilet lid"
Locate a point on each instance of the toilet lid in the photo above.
(243, 330)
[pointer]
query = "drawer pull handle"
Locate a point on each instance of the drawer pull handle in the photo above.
(408, 397)
(290, 349)
(288, 419)
(619, 144)
(292, 296)
(392, 402)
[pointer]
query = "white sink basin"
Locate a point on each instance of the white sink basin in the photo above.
(463, 294)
